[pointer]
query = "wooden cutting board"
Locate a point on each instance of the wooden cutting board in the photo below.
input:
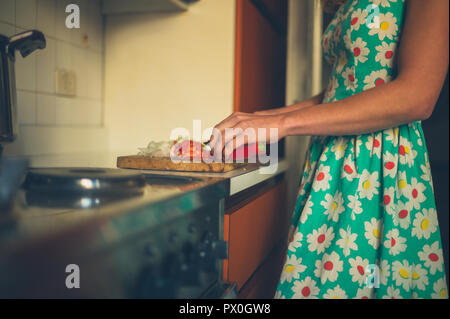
(166, 164)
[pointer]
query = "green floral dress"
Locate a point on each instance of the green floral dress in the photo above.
(365, 222)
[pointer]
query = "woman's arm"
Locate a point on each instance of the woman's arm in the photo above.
(422, 63)
(287, 109)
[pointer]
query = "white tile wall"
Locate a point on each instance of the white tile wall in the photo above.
(45, 18)
(38, 104)
(26, 107)
(7, 11)
(26, 14)
(45, 109)
(7, 29)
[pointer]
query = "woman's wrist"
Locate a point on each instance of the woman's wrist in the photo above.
(283, 124)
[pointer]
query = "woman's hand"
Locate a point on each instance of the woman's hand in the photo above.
(245, 128)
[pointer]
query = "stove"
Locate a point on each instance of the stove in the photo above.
(131, 235)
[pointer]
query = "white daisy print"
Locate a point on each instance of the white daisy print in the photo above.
(355, 205)
(336, 293)
(374, 232)
(432, 256)
(376, 78)
(365, 293)
(359, 143)
(358, 269)
(334, 206)
(388, 200)
(337, 32)
(403, 188)
(358, 17)
(278, 295)
(392, 293)
(360, 50)
(407, 154)
(402, 215)
(292, 269)
(368, 184)
(390, 164)
(386, 54)
(384, 271)
(350, 80)
(392, 135)
(416, 193)
(320, 239)
(426, 172)
(440, 290)
(341, 62)
(307, 210)
(419, 277)
(373, 145)
(305, 289)
(383, 3)
(296, 242)
(329, 267)
(349, 169)
(322, 178)
(394, 242)
(347, 241)
(339, 147)
(425, 223)
(348, 39)
(401, 273)
(387, 27)
(331, 88)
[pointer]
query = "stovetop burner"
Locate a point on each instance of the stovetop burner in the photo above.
(83, 180)
(80, 187)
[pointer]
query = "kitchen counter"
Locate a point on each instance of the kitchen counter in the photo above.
(157, 203)
(110, 235)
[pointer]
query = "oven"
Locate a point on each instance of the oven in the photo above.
(109, 233)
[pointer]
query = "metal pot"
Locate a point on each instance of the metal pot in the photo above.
(24, 42)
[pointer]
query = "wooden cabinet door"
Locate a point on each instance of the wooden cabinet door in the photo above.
(263, 283)
(252, 231)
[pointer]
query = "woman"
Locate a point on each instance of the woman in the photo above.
(365, 208)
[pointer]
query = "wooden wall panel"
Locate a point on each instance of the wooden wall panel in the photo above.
(260, 67)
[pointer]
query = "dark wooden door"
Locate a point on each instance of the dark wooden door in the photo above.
(260, 74)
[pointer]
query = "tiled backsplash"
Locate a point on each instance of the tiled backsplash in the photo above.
(79, 50)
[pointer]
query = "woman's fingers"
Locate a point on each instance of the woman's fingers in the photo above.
(242, 128)
(239, 139)
(229, 122)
